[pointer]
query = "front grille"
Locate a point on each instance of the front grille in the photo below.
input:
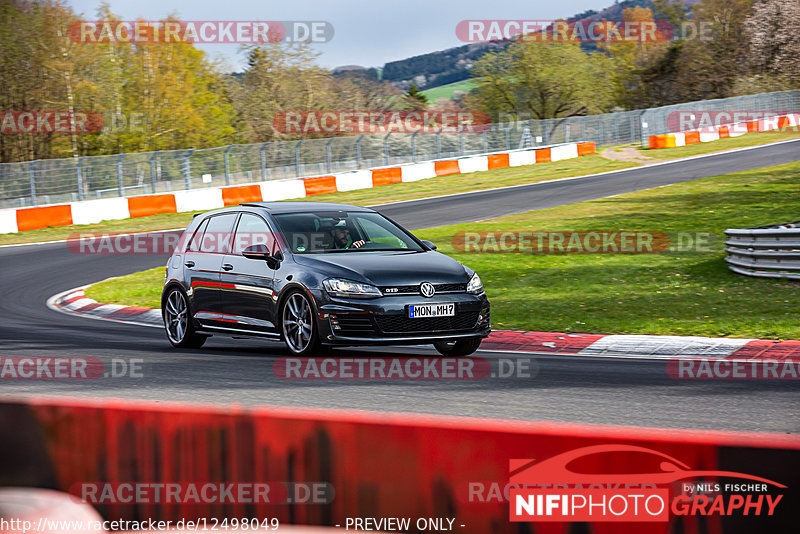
(400, 324)
(440, 288)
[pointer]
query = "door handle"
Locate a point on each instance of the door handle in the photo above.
(189, 264)
(227, 266)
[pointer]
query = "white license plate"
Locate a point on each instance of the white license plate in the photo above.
(419, 311)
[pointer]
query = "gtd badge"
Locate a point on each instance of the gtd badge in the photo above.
(426, 289)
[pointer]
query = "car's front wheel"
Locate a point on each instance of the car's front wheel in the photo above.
(178, 321)
(298, 327)
(458, 347)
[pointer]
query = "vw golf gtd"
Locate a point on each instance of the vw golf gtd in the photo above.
(315, 273)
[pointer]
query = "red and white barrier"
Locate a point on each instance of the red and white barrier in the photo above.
(95, 211)
(377, 464)
(714, 133)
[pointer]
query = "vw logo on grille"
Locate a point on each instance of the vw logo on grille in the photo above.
(426, 289)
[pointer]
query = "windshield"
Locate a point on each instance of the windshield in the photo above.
(340, 231)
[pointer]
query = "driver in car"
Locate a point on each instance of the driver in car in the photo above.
(341, 237)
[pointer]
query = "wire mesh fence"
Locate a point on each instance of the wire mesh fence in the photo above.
(95, 177)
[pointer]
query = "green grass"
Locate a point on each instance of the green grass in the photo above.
(137, 289)
(447, 91)
(691, 293)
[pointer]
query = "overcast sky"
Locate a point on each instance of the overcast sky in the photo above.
(367, 32)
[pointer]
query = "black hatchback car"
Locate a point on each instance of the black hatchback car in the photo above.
(317, 273)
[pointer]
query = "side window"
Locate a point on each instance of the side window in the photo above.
(217, 237)
(194, 244)
(252, 230)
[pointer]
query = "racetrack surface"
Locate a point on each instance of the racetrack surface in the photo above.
(562, 388)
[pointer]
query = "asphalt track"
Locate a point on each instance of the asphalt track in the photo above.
(559, 388)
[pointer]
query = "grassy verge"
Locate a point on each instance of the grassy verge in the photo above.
(137, 289)
(691, 293)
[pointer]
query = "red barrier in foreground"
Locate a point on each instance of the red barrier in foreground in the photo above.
(379, 465)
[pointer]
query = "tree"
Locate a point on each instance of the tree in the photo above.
(709, 65)
(414, 99)
(774, 42)
(542, 81)
(632, 62)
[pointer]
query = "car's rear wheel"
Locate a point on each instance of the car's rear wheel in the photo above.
(178, 322)
(458, 347)
(298, 327)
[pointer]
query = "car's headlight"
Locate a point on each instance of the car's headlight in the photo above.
(339, 287)
(475, 285)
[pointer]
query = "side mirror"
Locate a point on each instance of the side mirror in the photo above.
(261, 252)
(428, 244)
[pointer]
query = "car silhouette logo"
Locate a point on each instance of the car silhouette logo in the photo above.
(426, 289)
(557, 469)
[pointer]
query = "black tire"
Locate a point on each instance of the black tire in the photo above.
(299, 330)
(178, 322)
(458, 347)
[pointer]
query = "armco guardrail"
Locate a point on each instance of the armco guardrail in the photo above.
(766, 251)
(94, 211)
(715, 133)
(376, 465)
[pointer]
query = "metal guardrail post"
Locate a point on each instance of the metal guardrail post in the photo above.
(439, 144)
(120, 188)
(263, 160)
(328, 163)
(358, 151)
(297, 158)
(187, 169)
(32, 178)
(386, 149)
(546, 131)
(506, 132)
(461, 142)
(79, 178)
(227, 162)
(414, 147)
(154, 171)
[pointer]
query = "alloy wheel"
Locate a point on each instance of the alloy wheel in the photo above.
(176, 317)
(298, 323)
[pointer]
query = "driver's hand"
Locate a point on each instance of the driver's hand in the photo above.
(356, 244)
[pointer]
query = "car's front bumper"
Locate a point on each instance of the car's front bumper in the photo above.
(384, 320)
